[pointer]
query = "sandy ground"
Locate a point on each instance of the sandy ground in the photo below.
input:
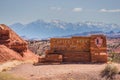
(60, 72)
(9, 64)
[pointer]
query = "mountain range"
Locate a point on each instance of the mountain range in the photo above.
(41, 29)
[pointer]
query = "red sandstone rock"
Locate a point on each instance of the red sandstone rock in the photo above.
(8, 54)
(13, 46)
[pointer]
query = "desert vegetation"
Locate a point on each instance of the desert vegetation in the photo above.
(110, 72)
(114, 57)
(39, 47)
(8, 76)
(113, 45)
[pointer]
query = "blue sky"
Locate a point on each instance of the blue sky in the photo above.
(25, 11)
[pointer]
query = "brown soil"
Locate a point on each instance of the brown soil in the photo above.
(60, 72)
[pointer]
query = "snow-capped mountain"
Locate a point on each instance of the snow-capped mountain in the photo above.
(55, 28)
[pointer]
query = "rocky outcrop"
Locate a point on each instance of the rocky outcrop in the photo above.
(7, 54)
(10, 39)
(11, 43)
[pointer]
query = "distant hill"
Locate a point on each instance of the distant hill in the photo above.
(42, 30)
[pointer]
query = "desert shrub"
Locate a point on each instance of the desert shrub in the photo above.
(7, 76)
(115, 57)
(110, 72)
(109, 59)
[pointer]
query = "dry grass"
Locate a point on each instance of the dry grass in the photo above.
(9, 64)
(115, 57)
(7, 76)
(110, 71)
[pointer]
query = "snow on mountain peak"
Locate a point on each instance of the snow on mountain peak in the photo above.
(56, 21)
(55, 27)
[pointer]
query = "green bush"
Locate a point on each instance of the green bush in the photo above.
(7, 76)
(110, 71)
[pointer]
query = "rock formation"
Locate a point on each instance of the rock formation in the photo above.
(14, 45)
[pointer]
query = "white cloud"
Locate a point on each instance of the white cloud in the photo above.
(77, 9)
(112, 10)
(55, 8)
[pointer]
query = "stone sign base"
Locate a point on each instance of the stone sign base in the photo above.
(77, 49)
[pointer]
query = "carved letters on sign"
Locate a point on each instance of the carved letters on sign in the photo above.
(70, 44)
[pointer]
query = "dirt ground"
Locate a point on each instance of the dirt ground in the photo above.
(60, 71)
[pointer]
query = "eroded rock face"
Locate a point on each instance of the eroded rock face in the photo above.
(8, 54)
(14, 43)
(10, 39)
